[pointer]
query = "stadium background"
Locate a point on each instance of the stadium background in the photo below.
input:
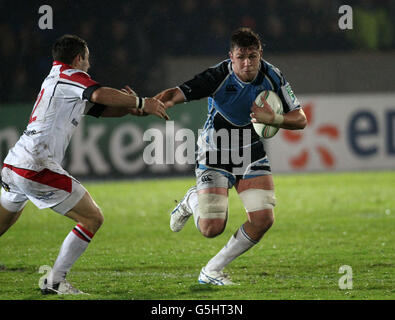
(344, 78)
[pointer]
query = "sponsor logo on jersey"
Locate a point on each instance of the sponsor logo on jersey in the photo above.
(45, 195)
(29, 132)
(291, 94)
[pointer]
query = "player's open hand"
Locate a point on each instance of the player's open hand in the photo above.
(264, 114)
(129, 90)
(135, 112)
(156, 107)
(166, 97)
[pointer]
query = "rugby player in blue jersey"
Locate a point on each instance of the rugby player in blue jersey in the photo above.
(230, 153)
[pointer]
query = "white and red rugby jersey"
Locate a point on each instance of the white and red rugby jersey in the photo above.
(60, 105)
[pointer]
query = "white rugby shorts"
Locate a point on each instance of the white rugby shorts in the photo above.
(45, 188)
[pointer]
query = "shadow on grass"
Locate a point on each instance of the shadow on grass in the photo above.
(14, 269)
(203, 288)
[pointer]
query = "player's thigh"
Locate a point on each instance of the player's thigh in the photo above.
(8, 207)
(7, 219)
(264, 182)
(12, 201)
(258, 197)
(212, 190)
(87, 212)
(213, 205)
(12, 197)
(45, 188)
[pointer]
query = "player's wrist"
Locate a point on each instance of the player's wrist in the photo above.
(140, 103)
(278, 119)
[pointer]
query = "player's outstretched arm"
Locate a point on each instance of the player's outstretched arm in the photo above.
(113, 112)
(170, 97)
(114, 98)
(293, 120)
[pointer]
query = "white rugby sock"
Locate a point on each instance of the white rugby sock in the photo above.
(239, 243)
(73, 246)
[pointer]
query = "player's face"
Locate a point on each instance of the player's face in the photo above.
(84, 64)
(246, 62)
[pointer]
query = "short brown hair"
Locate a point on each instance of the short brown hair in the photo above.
(67, 47)
(244, 38)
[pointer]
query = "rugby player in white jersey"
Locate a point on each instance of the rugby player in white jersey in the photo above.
(231, 87)
(32, 169)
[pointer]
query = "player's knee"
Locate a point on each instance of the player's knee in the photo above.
(213, 210)
(211, 228)
(259, 204)
(99, 217)
(262, 220)
(95, 220)
(266, 221)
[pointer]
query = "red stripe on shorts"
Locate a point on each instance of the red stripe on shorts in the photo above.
(46, 176)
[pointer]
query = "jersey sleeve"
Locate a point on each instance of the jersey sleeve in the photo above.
(94, 110)
(282, 88)
(205, 83)
(80, 83)
(287, 95)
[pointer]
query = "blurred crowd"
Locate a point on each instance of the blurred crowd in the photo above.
(128, 39)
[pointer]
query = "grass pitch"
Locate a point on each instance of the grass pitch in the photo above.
(323, 221)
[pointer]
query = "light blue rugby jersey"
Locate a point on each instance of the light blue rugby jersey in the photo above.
(232, 98)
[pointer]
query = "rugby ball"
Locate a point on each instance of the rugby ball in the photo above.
(264, 130)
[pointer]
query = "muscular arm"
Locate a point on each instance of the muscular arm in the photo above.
(119, 103)
(114, 98)
(294, 120)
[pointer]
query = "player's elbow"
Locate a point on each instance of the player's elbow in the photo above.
(96, 95)
(302, 120)
(302, 123)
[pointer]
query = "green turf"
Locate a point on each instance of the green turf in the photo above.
(323, 221)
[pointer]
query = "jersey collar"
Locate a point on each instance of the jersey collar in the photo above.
(64, 65)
